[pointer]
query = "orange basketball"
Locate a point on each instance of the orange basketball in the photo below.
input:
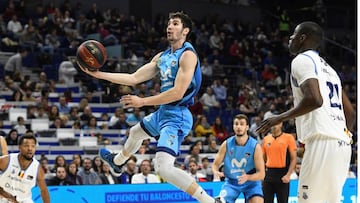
(91, 54)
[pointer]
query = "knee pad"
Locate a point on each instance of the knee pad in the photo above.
(163, 164)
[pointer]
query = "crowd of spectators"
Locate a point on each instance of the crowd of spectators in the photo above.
(244, 66)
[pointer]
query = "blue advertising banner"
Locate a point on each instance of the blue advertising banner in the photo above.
(155, 193)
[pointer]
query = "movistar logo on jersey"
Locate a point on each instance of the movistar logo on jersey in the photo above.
(173, 63)
(238, 166)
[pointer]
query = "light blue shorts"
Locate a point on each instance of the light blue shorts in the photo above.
(169, 125)
(230, 192)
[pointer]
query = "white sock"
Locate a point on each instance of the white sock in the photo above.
(120, 159)
(201, 195)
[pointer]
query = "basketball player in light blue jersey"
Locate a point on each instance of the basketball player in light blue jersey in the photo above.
(244, 167)
(180, 75)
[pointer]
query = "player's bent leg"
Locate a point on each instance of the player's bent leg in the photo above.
(164, 167)
(132, 144)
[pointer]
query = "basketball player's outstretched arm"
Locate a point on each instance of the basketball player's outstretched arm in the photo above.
(144, 73)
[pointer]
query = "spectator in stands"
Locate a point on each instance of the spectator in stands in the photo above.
(121, 123)
(145, 148)
(14, 63)
(220, 92)
(31, 111)
(60, 178)
(44, 164)
(247, 108)
(72, 175)
(88, 175)
(202, 128)
(67, 72)
(73, 113)
(126, 176)
(194, 153)
(200, 143)
(17, 96)
(42, 83)
(41, 113)
(59, 161)
(14, 27)
(91, 125)
(83, 103)
(28, 95)
(11, 85)
(193, 171)
(3, 146)
(209, 100)
(51, 42)
(106, 176)
(212, 147)
(145, 176)
(57, 123)
(76, 125)
(289, 126)
(94, 13)
(77, 159)
(63, 107)
(101, 140)
(254, 125)
(20, 126)
(207, 71)
(97, 164)
(53, 112)
(206, 169)
(220, 131)
(106, 37)
(87, 114)
(114, 118)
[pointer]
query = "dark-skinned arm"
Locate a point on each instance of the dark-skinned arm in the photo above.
(312, 100)
(349, 111)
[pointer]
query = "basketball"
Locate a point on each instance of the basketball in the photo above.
(91, 54)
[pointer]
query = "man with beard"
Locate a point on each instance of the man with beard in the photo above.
(20, 172)
(243, 164)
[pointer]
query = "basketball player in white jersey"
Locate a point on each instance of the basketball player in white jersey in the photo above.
(20, 172)
(324, 116)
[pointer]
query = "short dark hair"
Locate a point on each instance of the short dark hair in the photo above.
(185, 19)
(242, 116)
(312, 30)
(26, 136)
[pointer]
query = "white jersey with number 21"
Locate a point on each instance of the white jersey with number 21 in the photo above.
(329, 119)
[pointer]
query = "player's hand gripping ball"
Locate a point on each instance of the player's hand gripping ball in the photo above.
(91, 55)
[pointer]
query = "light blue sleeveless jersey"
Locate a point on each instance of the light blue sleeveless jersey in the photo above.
(239, 160)
(172, 122)
(169, 66)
